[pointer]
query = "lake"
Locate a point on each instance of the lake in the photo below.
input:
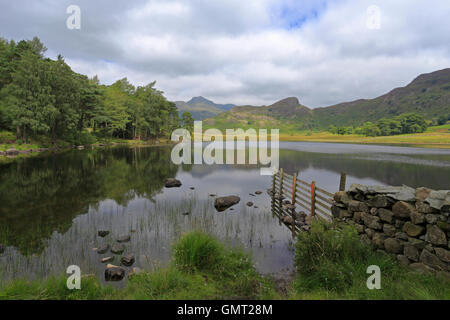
(53, 205)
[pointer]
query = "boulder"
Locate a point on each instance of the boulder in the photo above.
(288, 220)
(103, 233)
(341, 197)
(417, 217)
(436, 236)
(402, 260)
(442, 254)
(370, 221)
(223, 203)
(431, 218)
(114, 273)
(422, 193)
(357, 206)
(411, 252)
(403, 209)
(258, 192)
(403, 193)
(392, 245)
(249, 204)
(378, 240)
(379, 201)
(439, 199)
(443, 225)
(338, 212)
(389, 230)
(172, 183)
(117, 248)
(106, 259)
(127, 260)
(432, 260)
(421, 268)
(103, 249)
(124, 238)
(423, 207)
(419, 244)
(359, 228)
(369, 232)
(412, 230)
(401, 236)
(386, 215)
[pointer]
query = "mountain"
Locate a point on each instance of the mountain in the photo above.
(428, 94)
(202, 108)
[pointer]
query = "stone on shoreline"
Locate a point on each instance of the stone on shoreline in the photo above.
(223, 203)
(172, 183)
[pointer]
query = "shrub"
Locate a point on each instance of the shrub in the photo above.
(197, 251)
(330, 257)
(7, 137)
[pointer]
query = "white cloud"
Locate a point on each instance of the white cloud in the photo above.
(247, 52)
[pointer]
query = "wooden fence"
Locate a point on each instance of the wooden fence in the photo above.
(308, 196)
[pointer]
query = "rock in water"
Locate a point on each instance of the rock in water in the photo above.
(250, 204)
(172, 183)
(117, 248)
(103, 233)
(258, 192)
(127, 260)
(107, 259)
(114, 273)
(103, 249)
(223, 203)
(124, 238)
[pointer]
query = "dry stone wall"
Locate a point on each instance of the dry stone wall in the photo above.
(412, 224)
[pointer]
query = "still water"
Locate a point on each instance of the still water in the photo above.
(53, 205)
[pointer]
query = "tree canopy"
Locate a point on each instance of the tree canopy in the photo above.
(40, 96)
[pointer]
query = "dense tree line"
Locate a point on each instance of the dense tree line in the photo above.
(402, 124)
(43, 98)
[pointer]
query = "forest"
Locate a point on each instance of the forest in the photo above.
(45, 100)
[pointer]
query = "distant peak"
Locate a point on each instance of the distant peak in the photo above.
(291, 102)
(199, 99)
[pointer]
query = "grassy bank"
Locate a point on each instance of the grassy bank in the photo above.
(201, 268)
(434, 137)
(331, 264)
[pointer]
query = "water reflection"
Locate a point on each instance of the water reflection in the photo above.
(52, 206)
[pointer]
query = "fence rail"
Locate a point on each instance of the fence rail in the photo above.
(315, 200)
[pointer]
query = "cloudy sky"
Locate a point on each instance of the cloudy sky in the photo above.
(244, 51)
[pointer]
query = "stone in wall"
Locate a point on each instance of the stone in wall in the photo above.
(413, 225)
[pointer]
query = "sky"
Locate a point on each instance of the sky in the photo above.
(244, 51)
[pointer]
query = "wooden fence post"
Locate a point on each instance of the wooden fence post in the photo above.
(294, 188)
(342, 182)
(281, 182)
(313, 198)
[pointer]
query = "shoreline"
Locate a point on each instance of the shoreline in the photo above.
(11, 153)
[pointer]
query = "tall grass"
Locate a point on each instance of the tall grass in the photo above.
(332, 263)
(201, 268)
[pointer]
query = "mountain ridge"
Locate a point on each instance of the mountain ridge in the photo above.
(428, 94)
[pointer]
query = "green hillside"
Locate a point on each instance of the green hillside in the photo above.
(428, 95)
